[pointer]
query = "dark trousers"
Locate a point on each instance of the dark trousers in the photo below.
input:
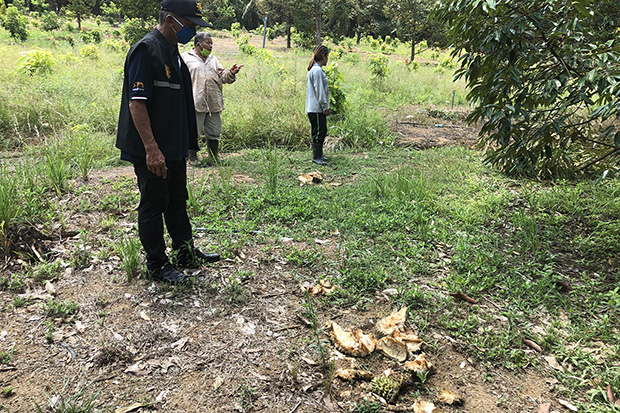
(318, 121)
(162, 197)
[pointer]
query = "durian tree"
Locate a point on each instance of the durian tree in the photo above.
(544, 79)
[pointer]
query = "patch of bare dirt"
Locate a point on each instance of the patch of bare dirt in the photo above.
(434, 135)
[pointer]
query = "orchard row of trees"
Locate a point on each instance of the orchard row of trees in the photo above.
(311, 20)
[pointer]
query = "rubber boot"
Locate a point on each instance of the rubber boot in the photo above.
(213, 145)
(323, 158)
(317, 153)
(192, 156)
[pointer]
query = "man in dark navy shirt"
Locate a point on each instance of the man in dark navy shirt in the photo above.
(156, 129)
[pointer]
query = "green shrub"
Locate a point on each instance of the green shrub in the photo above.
(235, 29)
(379, 68)
(36, 62)
(16, 24)
(90, 51)
(337, 97)
(50, 22)
(86, 36)
(96, 35)
(245, 47)
(112, 44)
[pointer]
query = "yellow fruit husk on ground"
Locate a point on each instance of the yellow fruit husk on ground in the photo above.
(393, 348)
(414, 344)
(352, 343)
(421, 406)
(393, 322)
(353, 374)
(419, 365)
(447, 397)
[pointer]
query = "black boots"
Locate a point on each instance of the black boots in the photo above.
(213, 144)
(317, 153)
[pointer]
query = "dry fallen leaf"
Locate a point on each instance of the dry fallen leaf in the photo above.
(419, 365)
(447, 397)
(131, 408)
(393, 348)
(353, 374)
(312, 177)
(464, 297)
(422, 406)
(138, 369)
(354, 344)
(610, 395)
(568, 405)
(179, 343)
(217, 382)
(144, 316)
(393, 322)
(554, 363)
(544, 408)
(49, 287)
(531, 344)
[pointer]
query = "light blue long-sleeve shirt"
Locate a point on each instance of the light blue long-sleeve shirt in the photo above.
(317, 95)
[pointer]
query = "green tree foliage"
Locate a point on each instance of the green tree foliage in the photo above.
(40, 6)
(544, 76)
(141, 9)
(15, 23)
(411, 17)
(135, 29)
(50, 22)
(111, 12)
(81, 9)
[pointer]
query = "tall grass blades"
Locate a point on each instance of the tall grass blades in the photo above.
(129, 251)
(58, 171)
(271, 167)
(85, 158)
(9, 206)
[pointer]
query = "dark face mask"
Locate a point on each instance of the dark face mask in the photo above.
(185, 34)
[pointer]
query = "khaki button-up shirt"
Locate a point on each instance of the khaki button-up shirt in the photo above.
(207, 79)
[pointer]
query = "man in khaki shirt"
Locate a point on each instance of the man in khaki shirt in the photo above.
(208, 76)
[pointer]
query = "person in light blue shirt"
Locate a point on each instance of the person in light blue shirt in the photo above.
(317, 101)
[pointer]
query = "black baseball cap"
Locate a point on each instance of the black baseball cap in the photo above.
(190, 9)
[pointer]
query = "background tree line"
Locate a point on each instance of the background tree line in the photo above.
(310, 21)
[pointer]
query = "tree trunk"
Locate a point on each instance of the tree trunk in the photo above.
(79, 23)
(288, 31)
(412, 48)
(318, 20)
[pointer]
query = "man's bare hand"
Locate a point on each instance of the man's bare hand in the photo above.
(156, 163)
(326, 112)
(235, 69)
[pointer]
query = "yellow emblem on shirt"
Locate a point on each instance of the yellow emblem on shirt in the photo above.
(168, 72)
(199, 7)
